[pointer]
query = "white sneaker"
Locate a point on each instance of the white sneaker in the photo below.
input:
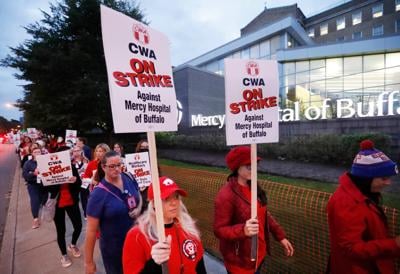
(65, 261)
(74, 250)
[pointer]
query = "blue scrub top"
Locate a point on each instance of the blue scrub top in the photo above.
(113, 218)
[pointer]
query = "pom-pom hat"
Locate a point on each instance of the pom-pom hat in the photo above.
(239, 156)
(167, 187)
(372, 163)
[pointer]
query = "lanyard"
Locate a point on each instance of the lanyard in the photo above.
(109, 191)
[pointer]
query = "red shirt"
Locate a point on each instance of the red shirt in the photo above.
(65, 196)
(90, 168)
(186, 251)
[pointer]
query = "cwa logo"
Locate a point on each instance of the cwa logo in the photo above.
(141, 35)
(252, 68)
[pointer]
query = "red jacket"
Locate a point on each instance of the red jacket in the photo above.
(232, 210)
(360, 240)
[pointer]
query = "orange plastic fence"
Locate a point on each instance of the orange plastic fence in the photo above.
(300, 211)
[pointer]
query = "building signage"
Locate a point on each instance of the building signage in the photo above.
(344, 108)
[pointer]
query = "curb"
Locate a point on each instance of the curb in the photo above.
(8, 245)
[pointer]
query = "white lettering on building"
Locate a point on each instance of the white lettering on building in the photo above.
(345, 108)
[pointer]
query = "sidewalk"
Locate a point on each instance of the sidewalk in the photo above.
(26, 250)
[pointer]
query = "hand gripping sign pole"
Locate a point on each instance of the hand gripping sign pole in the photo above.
(251, 92)
(142, 92)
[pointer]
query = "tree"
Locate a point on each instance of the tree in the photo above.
(65, 67)
(6, 126)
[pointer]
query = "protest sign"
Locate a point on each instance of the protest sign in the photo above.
(70, 136)
(139, 165)
(251, 101)
(139, 70)
(54, 168)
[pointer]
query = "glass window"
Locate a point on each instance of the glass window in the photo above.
(356, 18)
(302, 66)
(377, 30)
(334, 67)
(311, 32)
(221, 67)
(323, 29)
(302, 77)
(334, 85)
(397, 27)
(314, 64)
(392, 59)
(374, 62)
(352, 65)
(264, 48)
(392, 76)
(377, 11)
(213, 66)
(288, 68)
(245, 53)
(353, 82)
(318, 87)
(275, 44)
(340, 39)
(317, 74)
(397, 5)
(236, 55)
(340, 23)
(357, 35)
(255, 51)
(374, 78)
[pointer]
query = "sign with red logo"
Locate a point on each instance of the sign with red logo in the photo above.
(252, 68)
(251, 101)
(55, 168)
(140, 33)
(139, 71)
(138, 164)
(70, 136)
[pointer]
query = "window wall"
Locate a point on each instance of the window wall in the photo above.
(359, 78)
(262, 50)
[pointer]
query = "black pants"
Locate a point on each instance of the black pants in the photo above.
(59, 220)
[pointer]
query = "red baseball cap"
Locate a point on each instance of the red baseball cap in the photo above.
(167, 187)
(239, 156)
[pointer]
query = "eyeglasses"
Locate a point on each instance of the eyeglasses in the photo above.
(112, 166)
(144, 147)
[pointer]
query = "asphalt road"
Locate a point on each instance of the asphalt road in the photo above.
(8, 163)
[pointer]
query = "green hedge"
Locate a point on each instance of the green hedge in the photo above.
(329, 148)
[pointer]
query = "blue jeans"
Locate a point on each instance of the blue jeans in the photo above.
(36, 196)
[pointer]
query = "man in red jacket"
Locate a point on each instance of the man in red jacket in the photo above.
(359, 236)
(233, 225)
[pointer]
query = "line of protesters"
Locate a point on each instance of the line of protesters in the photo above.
(112, 203)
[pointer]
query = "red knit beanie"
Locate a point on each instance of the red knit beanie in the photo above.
(239, 156)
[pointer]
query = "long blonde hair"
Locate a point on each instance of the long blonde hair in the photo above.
(147, 222)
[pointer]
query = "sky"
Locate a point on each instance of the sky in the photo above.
(193, 27)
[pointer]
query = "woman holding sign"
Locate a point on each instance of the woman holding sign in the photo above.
(113, 207)
(233, 225)
(67, 197)
(35, 187)
(143, 253)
